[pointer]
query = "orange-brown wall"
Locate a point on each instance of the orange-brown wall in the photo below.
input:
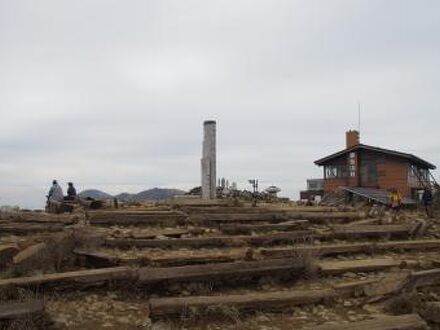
(393, 173)
(333, 184)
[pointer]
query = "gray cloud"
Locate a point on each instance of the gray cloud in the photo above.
(112, 94)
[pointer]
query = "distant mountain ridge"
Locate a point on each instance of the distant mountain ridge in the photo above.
(150, 194)
(95, 194)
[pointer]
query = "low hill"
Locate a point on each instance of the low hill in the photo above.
(95, 194)
(146, 195)
(151, 194)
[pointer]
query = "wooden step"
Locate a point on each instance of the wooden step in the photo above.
(17, 228)
(12, 311)
(276, 217)
(340, 249)
(237, 218)
(234, 229)
(361, 266)
(220, 271)
(215, 241)
(136, 218)
(271, 301)
(93, 276)
(380, 322)
(31, 253)
(326, 218)
(104, 259)
(351, 232)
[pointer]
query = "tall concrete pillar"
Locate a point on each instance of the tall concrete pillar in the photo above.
(209, 177)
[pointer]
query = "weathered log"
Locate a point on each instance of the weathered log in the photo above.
(326, 217)
(343, 232)
(30, 253)
(119, 218)
(382, 322)
(220, 271)
(217, 241)
(174, 261)
(273, 301)
(235, 229)
(171, 232)
(40, 218)
(336, 249)
(103, 259)
(203, 210)
(425, 278)
(237, 218)
(18, 228)
(93, 276)
(243, 209)
(364, 222)
(364, 265)
(14, 311)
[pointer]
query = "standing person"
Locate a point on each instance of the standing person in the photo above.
(427, 202)
(55, 197)
(71, 192)
(395, 200)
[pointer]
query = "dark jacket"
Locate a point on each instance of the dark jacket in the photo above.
(427, 197)
(71, 191)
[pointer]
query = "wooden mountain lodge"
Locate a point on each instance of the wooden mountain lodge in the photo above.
(363, 168)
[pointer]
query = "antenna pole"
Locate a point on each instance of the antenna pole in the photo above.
(359, 116)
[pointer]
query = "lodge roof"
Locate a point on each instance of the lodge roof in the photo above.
(410, 157)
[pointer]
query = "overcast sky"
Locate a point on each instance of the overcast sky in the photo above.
(112, 94)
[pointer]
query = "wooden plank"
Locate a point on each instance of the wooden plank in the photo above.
(92, 276)
(30, 253)
(258, 209)
(174, 261)
(271, 301)
(137, 219)
(14, 311)
(340, 249)
(29, 228)
(326, 217)
(425, 278)
(363, 265)
(364, 222)
(343, 232)
(381, 322)
(204, 210)
(313, 217)
(40, 218)
(237, 218)
(216, 241)
(169, 232)
(234, 229)
(219, 271)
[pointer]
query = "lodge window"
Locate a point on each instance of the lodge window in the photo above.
(352, 164)
(335, 171)
(417, 173)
